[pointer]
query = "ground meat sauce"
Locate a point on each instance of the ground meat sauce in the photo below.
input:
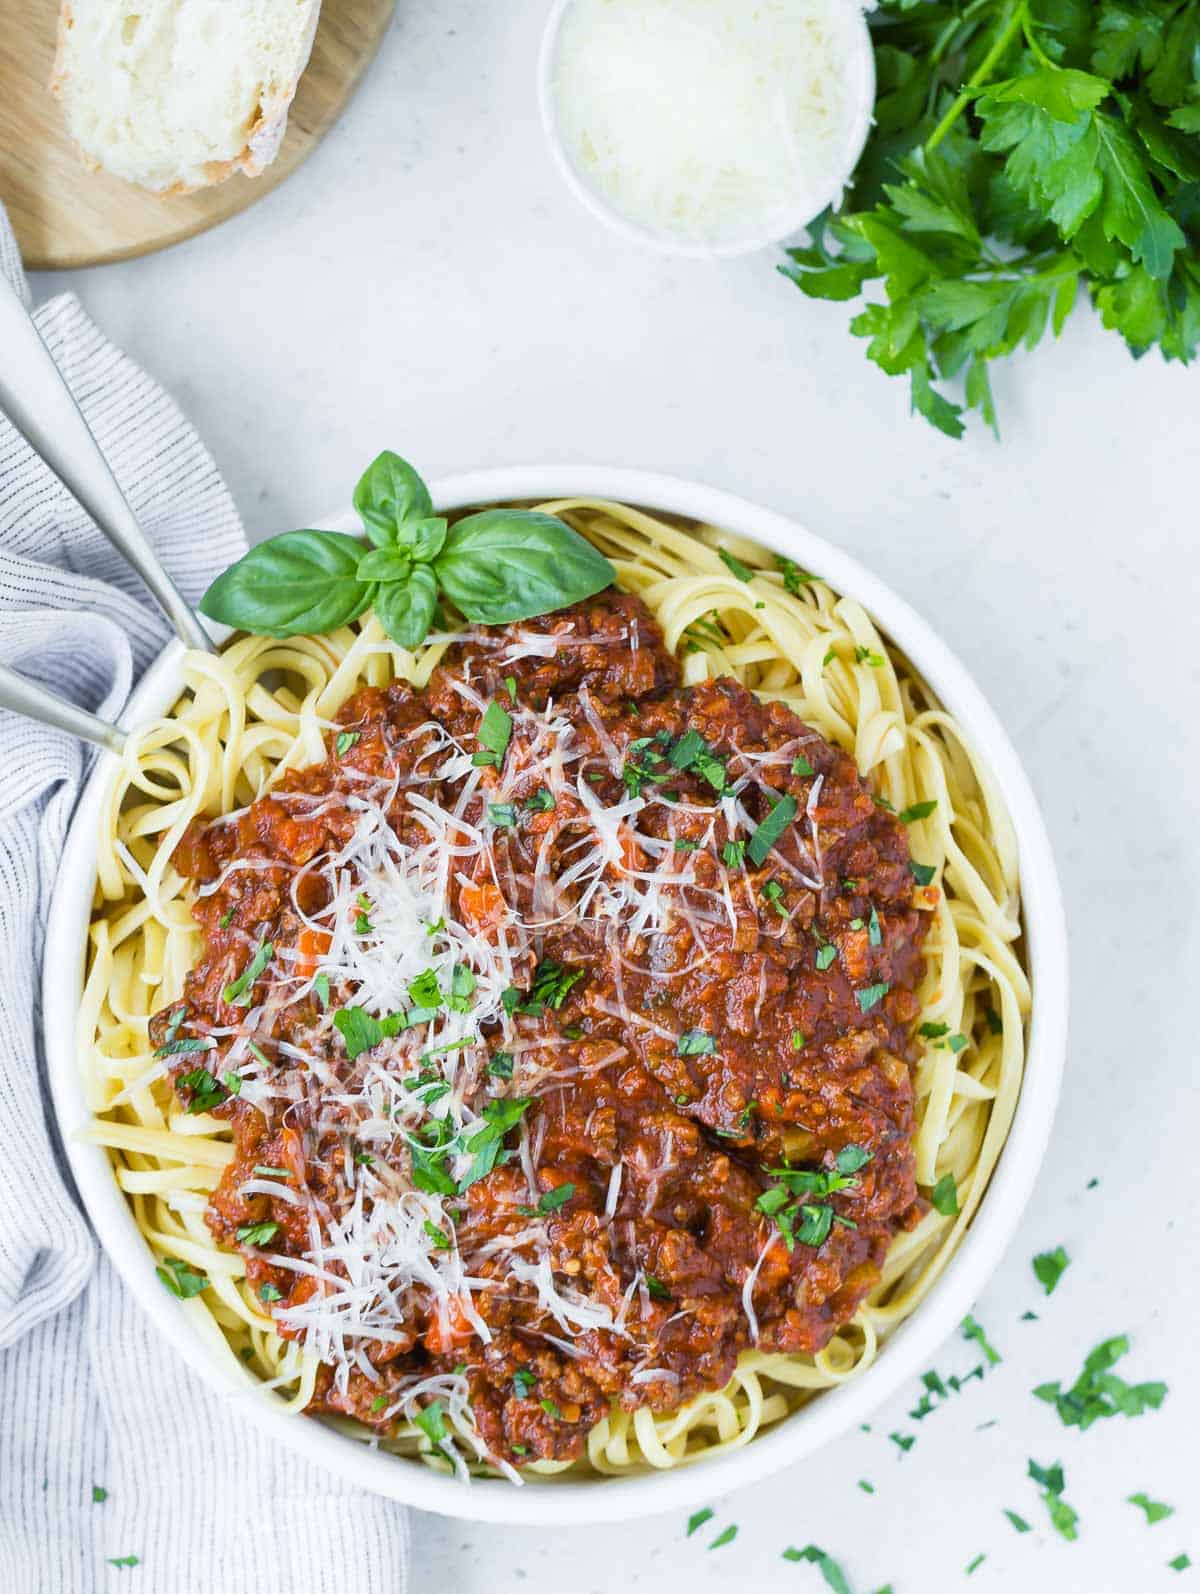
(761, 1019)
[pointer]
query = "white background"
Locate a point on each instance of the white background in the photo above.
(426, 283)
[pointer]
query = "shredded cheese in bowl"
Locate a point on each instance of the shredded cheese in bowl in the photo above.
(708, 126)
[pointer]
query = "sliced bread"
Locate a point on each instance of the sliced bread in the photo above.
(176, 95)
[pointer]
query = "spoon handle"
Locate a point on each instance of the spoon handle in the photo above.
(34, 702)
(42, 408)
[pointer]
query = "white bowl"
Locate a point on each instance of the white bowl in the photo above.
(833, 1412)
(860, 73)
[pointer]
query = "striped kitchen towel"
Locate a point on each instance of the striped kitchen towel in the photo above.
(118, 1469)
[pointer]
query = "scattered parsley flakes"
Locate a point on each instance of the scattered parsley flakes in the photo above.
(237, 992)
(657, 1288)
(540, 801)
(922, 873)
(1180, 1563)
(905, 1440)
(945, 1196)
(698, 1519)
(696, 1043)
(915, 811)
(123, 1560)
(769, 830)
(524, 1383)
(1155, 1510)
(257, 1233)
(321, 987)
(182, 1281)
(345, 741)
(269, 1293)
(826, 955)
(1017, 1521)
(494, 734)
(735, 566)
(550, 1408)
(1098, 1391)
(977, 1562)
(1049, 1267)
(431, 1421)
(973, 1330)
(801, 766)
(794, 578)
(360, 1030)
(502, 816)
(867, 1488)
(933, 1032)
(441, 1240)
(500, 1065)
(872, 995)
(733, 854)
(1063, 1517)
(727, 1536)
(99, 1494)
(829, 1569)
(869, 656)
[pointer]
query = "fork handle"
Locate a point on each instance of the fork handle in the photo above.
(41, 406)
(35, 702)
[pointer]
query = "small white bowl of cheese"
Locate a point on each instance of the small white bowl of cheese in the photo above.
(707, 127)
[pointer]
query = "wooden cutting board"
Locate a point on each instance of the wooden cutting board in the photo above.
(67, 216)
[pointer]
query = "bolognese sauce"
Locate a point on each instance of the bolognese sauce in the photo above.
(562, 1018)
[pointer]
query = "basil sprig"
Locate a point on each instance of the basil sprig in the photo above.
(495, 566)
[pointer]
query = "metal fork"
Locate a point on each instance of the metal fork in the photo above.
(38, 402)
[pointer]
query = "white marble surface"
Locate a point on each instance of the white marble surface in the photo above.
(425, 283)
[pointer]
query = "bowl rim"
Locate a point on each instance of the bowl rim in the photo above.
(590, 1500)
(860, 71)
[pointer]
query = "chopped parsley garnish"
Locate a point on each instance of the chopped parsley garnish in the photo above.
(558, 1197)
(269, 1293)
(686, 844)
(520, 1450)
(698, 1519)
(922, 873)
(798, 1200)
(933, 1032)
(184, 1045)
(123, 1560)
(1098, 1391)
(733, 854)
(657, 1288)
(794, 578)
(769, 830)
(867, 1488)
(359, 1029)
(726, 1536)
(945, 1196)
(798, 1040)
(226, 919)
(494, 734)
(206, 1092)
(485, 1143)
(1181, 1562)
(99, 1494)
(379, 1403)
(540, 801)
(503, 816)
(180, 1279)
(917, 811)
(972, 1330)
(826, 955)
(237, 993)
(904, 1440)
(500, 1065)
(510, 686)
(462, 988)
(345, 741)
(994, 1022)
(550, 1408)
(362, 919)
(1017, 1521)
(441, 1240)
(524, 1383)
(1155, 1510)
(773, 893)
(801, 765)
(872, 995)
(262, 1171)
(734, 565)
(321, 987)
(1049, 1267)
(874, 928)
(869, 656)
(696, 1043)
(829, 658)
(976, 1562)
(829, 1569)
(1063, 1517)
(432, 1422)
(257, 1233)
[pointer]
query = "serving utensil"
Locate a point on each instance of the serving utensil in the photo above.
(40, 405)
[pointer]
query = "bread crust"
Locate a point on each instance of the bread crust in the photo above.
(263, 139)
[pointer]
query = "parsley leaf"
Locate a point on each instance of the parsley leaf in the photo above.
(180, 1279)
(945, 1196)
(494, 735)
(1099, 1392)
(1049, 1267)
(1155, 1510)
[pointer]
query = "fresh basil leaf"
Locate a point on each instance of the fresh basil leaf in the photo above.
(513, 564)
(384, 564)
(389, 492)
(423, 540)
(299, 583)
(406, 609)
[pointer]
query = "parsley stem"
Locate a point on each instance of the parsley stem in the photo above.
(1035, 48)
(980, 75)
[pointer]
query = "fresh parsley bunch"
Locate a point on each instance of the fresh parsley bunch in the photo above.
(1022, 149)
